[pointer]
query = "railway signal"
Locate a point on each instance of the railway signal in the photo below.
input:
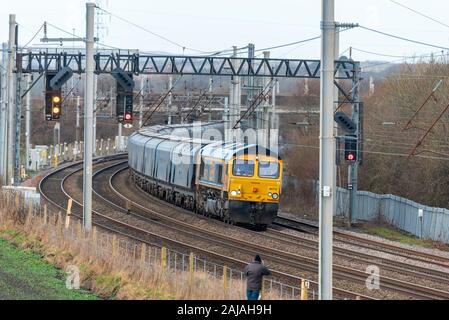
(350, 148)
(53, 92)
(345, 122)
(58, 80)
(128, 117)
(56, 106)
(124, 109)
(128, 108)
(124, 79)
(53, 107)
(125, 86)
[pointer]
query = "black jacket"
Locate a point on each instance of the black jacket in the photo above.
(254, 273)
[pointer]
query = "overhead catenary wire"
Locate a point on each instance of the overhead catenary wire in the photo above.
(254, 104)
(221, 52)
(288, 44)
(79, 37)
(393, 154)
(33, 37)
(399, 137)
(159, 103)
(420, 13)
(175, 43)
(396, 56)
(214, 52)
(71, 90)
(296, 42)
(203, 94)
(403, 38)
(403, 59)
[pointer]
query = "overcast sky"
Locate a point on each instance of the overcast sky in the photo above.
(210, 25)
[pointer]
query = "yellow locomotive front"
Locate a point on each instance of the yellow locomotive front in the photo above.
(255, 178)
(239, 183)
(254, 188)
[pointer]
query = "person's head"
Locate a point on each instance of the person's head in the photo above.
(257, 258)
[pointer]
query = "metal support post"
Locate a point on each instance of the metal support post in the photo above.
(57, 136)
(336, 56)
(355, 164)
(11, 104)
(327, 150)
(250, 83)
(77, 124)
(211, 81)
(234, 111)
(274, 119)
(264, 116)
(94, 146)
(119, 144)
(18, 127)
(88, 118)
(3, 118)
(226, 117)
(141, 102)
(111, 103)
(169, 100)
(28, 122)
(230, 114)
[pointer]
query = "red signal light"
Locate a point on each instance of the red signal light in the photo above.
(350, 157)
(128, 116)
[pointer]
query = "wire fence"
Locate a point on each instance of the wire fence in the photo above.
(196, 271)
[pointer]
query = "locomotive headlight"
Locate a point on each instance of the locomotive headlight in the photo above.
(275, 196)
(233, 193)
(270, 194)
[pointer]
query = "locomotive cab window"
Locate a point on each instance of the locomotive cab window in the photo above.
(243, 168)
(211, 172)
(268, 169)
(219, 170)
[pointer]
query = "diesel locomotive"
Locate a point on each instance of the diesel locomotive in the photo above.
(235, 182)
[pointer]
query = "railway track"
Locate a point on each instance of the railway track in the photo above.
(342, 272)
(209, 237)
(119, 203)
(367, 243)
(385, 264)
(52, 190)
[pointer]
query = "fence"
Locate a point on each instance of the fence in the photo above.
(403, 214)
(111, 247)
(50, 156)
(400, 212)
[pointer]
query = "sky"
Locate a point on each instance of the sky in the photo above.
(212, 25)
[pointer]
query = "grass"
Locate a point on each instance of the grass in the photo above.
(25, 276)
(390, 233)
(107, 274)
(107, 284)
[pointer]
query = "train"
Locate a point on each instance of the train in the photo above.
(236, 182)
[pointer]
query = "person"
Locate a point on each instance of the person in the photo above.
(254, 273)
